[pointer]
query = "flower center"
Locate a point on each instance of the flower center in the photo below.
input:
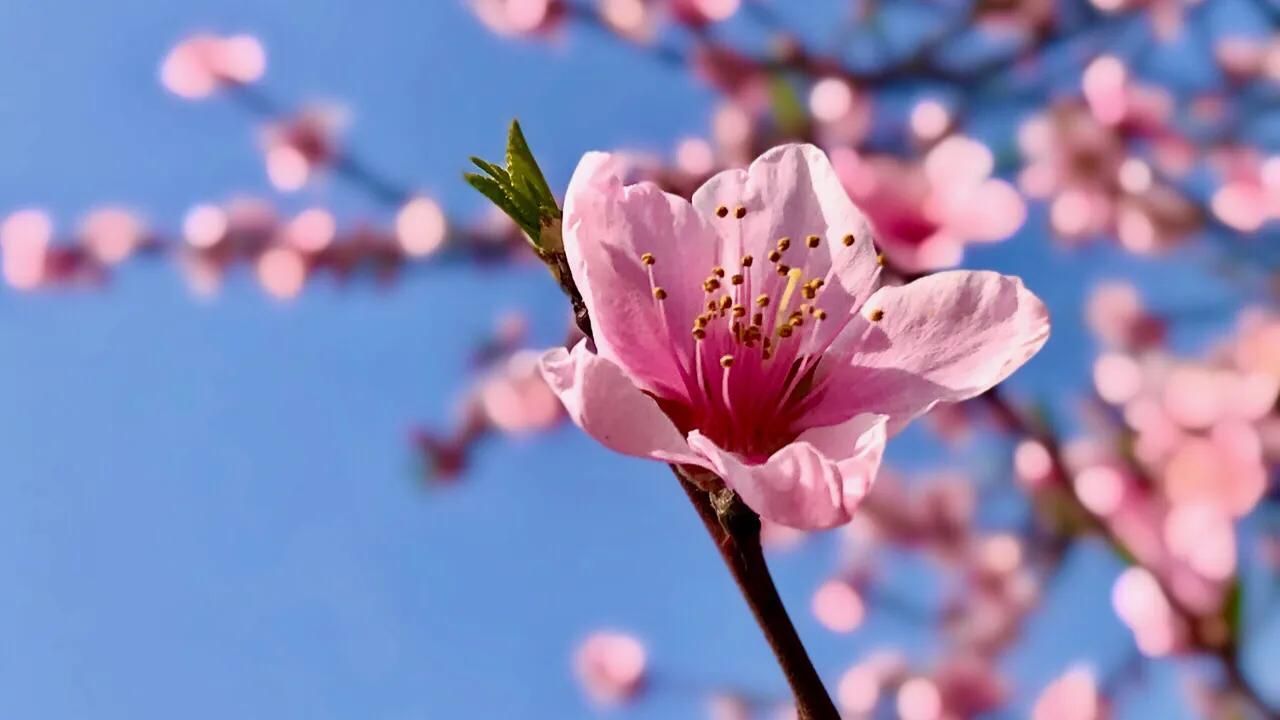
(758, 337)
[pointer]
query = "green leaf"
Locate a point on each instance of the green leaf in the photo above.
(524, 169)
(499, 196)
(494, 171)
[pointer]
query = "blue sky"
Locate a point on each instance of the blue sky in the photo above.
(210, 508)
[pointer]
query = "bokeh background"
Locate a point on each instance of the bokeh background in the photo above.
(254, 469)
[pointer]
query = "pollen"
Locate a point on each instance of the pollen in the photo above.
(726, 361)
(647, 259)
(740, 212)
(848, 240)
(877, 315)
(812, 241)
(659, 293)
(722, 211)
(881, 260)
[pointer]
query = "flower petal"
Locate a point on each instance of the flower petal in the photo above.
(603, 401)
(943, 338)
(813, 483)
(607, 228)
(793, 191)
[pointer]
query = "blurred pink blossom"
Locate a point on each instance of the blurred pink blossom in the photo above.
(519, 17)
(1074, 695)
(296, 148)
(611, 666)
(201, 64)
(1116, 315)
(24, 243)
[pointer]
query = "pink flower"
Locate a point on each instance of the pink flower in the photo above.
(297, 147)
(519, 17)
(201, 64)
(927, 213)
(744, 333)
(1073, 696)
(611, 666)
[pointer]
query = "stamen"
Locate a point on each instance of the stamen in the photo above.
(757, 320)
(813, 241)
(740, 212)
(739, 311)
(820, 314)
(848, 240)
(722, 211)
(774, 256)
(783, 270)
(762, 301)
(881, 260)
(747, 260)
(783, 244)
(711, 285)
(647, 259)
(877, 315)
(736, 279)
(725, 303)
(726, 361)
(793, 279)
(659, 294)
(717, 271)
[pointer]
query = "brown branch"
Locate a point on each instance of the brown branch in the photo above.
(735, 530)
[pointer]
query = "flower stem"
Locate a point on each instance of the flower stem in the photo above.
(735, 529)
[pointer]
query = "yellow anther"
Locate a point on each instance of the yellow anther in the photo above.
(820, 314)
(812, 241)
(725, 302)
(722, 211)
(659, 293)
(717, 271)
(712, 305)
(783, 244)
(726, 361)
(848, 240)
(711, 285)
(739, 311)
(740, 212)
(647, 259)
(877, 315)
(737, 279)
(808, 292)
(762, 301)
(701, 321)
(784, 331)
(881, 260)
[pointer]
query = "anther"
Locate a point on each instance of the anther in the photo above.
(659, 293)
(774, 256)
(747, 260)
(881, 260)
(725, 302)
(699, 333)
(722, 211)
(711, 284)
(848, 240)
(783, 270)
(726, 361)
(820, 314)
(717, 271)
(739, 311)
(646, 259)
(877, 315)
(762, 301)
(784, 331)
(813, 241)
(757, 319)
(737, 279)
(712, 305)
(783, 244)
(740, 212)
(808, 292)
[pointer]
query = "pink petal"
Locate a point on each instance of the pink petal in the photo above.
(603, 401)
(945, 337)
(813, 483)
(793, 191)
(607, 228)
